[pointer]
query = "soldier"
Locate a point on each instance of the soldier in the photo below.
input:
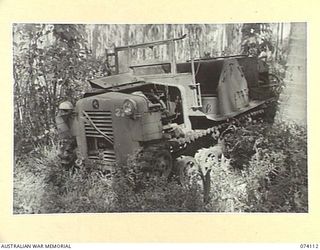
(67, 142)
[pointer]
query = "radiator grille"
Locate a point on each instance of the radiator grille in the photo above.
(103, 121)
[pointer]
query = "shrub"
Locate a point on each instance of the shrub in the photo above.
(272, 163)
(270, 177)
(154, 194)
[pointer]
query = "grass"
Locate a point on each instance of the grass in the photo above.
(41, 185)
(265, 172)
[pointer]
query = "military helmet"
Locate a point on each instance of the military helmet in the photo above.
(66, 105)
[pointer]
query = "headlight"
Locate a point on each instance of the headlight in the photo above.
(129, 107)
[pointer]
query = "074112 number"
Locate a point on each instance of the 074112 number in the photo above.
(310, 246)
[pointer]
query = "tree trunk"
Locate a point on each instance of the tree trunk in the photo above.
(293, 100)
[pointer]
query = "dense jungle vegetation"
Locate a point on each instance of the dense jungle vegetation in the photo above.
(265, 169)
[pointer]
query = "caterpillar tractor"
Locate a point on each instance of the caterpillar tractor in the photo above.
(164, 109)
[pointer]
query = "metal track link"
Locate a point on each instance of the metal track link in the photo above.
(143, 161)
(196, 140)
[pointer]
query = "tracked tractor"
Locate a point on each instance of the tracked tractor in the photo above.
(164, 109)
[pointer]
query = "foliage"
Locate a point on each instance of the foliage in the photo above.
(136, 191)
(286, 187)
(259, 37)
(256, 37)
(273, 178)
(42, 186)
(51, 63)
(264, 168)
(275, 175)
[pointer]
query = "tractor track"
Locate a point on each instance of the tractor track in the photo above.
(196, 140)
(146, 160)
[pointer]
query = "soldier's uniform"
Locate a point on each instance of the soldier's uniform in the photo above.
(67, 142)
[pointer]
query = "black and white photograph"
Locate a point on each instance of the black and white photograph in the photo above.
(198, 117)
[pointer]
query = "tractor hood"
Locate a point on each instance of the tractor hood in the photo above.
(113, 81)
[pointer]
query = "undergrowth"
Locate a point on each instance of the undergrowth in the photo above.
(264, 170)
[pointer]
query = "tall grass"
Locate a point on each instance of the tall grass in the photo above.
(265, 171)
